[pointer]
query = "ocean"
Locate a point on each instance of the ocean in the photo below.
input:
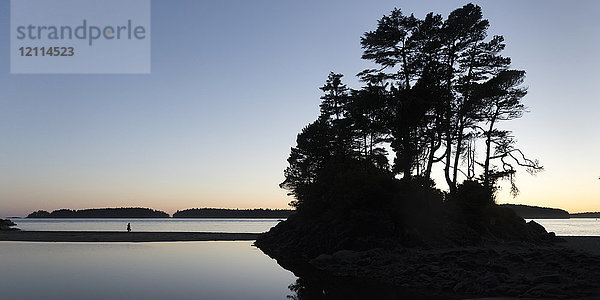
(566, 227)
(572, 227)
(182, 270)
(175, 270)
(148, 225)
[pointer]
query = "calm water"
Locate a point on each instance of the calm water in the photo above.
(182, 270)
(171, 225)
(576, 226)
(190, 270)
(582, 227)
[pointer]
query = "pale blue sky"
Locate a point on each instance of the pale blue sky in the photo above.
(233, 82)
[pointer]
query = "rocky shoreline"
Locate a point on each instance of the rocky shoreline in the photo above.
(515, 270)
(7, 225)
(522, 260)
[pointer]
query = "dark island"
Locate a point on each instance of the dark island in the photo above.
(233, 213)
(367, 227)
(536, 212)
(123, 212)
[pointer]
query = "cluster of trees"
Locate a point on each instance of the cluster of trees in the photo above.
(536, 212)
(232, 213)
(438, 93)
(139, 212)
(123, 212)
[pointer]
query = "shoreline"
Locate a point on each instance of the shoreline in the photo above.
(590, 244)
(117, 236)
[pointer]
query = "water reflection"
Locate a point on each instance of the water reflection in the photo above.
(346, 288)
(190, 270)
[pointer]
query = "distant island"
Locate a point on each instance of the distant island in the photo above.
(123, 212)
(139, 212)
(523, 211)
(232, 213)
(536, 212)
(586, 215)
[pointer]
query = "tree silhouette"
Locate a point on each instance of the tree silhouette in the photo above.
(440, 89)
(501, 96)
(445, 81)
(335, 98)
(314, 148)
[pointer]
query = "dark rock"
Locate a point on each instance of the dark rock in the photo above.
(445, 259)
(552, 278)
(6, 225)
(514, 258)
(490, 279)
(546, 290)
(536, 226)
(345, 256)
(322, 260)
(460, 286)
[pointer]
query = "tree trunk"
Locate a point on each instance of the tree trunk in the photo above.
(459, 140)
(408, 157)
(432, 148)
(488, 150)
(449, 181)
(451, 185)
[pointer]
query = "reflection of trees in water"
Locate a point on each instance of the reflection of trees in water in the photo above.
(346, 288)
(304, 290)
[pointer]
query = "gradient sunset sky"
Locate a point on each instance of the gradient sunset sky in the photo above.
(233, 82)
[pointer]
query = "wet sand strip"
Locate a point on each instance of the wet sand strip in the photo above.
(590, 244)
(113, 236)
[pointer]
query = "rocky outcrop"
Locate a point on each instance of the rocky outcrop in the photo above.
(303, 237)
(451, 255)
(6, 225)
(517, 270)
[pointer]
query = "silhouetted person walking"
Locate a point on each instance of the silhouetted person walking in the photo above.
(128, 227)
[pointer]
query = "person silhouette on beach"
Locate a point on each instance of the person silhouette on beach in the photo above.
(128, 227)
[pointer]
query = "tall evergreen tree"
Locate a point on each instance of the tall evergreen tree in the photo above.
(314, 148)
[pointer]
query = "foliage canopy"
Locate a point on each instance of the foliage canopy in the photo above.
(437, 94)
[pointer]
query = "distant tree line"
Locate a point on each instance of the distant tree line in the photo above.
(233, 213)
(123, 212)
(535, 212)
(586, 215)
(438, 93)
(130, 212)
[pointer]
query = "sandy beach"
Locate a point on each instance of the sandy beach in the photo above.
(112, 236)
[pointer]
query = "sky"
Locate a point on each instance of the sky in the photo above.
(233, 82)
